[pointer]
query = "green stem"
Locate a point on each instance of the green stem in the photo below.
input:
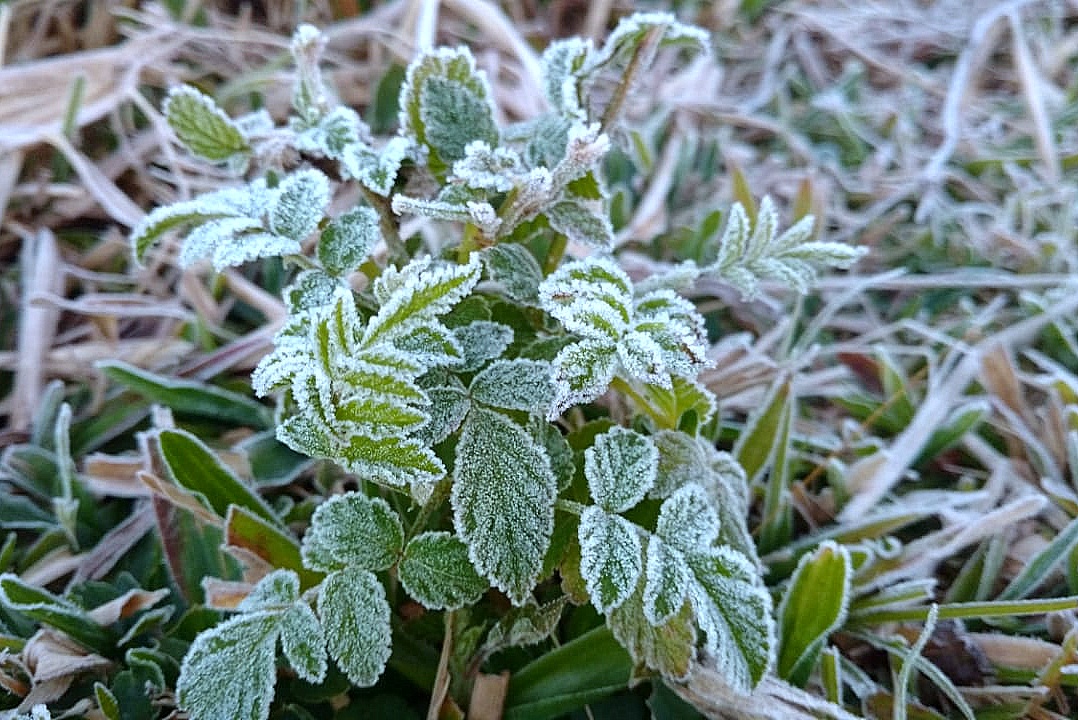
(570, 506)
(555, 254)
(646, 48)
(387, 222)
(642, 404)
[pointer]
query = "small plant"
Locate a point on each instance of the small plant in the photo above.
(468, 389)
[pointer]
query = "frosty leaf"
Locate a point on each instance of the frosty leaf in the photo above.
(748, 254)
(299, 204)
(422, 293)
(631, 33)
(435, 570)
(562, 62)
(309, 94)
(331, 136)
(277, 590)
(620, 468)
(609, 557)
(545, 139)
(527, 625)
(582, 372)
(681, 461)
(666, 583)
(668, 648)
(348, 240)
(514, 385)
(391, 461)
(378, 416)
(445, 104)
(487, 168)
(237, 250)
(168, 217)
(517, 271)
(303, 435)
(449, 404)
(581, 224)
(503, 501)
(229, 671)
(585, 147)
(377, 170)
(642, 359)
(733, 610)
(303, 642)
(311, 289)
(202, 126)
(352, 530)
(480, 341)
(591, 297)
(355, 616)
(557, 449)
(687, 520)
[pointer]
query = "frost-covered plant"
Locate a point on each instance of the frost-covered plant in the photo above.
(460, 375)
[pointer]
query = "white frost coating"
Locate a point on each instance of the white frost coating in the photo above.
(304, 643)
(437, 573)
(561, 63)
(276, 591)
(355, 616)
(642, 358)
(503, 501)
(203, 127)
(581, 372)
(485, 217)
(610, 560)
(514, 385)
(586, 147)
(747, 256)
(299, 204)
(620, 468)
(666, 582)
(630, 31)
(582, 224)
(487, 168)
(352, 530)
(687, 520)
(480, 341)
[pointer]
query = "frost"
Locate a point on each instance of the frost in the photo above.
(377, 170)
(435, 570)
(277, 590)
(333, 135)
(503, 501)
(581, 225)
(352, 530)
(516, 270)
(348, 240)
(299, 204)
(355, 617)
(631, 32)
(527, 625)
(391, 461)
(687, 520)
(562, 64)
(445, 104)
(620, 468)
(668, 648)
(609, 557)
(201, 126)
(747, 253)
(652, 338)
(514, 385)
(309, 94)
(304, 643)
(449, 404)
(487, 168)
(480, 341)
(666, 582)
(229, 670)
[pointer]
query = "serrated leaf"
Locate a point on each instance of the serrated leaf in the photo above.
(311, 289)
(436, 571)
(513, 266)
(162, 219)
(610, 560)
(353, 530)
(814, 606)
(581, 224)
(526, 625)
(392, 461)
(449, 406)
(348, 240)
(733, 610)
(377, 170)
(355, 617)
(480, 341)
(229, 672)
(562, 63)
(666, 582)
(299, 204)
(668, 648)
(687, 520)
(582, 372)
(202, 126)
(303, 642)
(514, 385)
(503, 501)
(487, 168)
(592, 297)
(620, 468)
(276, 591)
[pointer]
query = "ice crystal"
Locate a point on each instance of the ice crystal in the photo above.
(355, 617)
(610, 560)
(620, 468)
(436, 571)
(352, 530)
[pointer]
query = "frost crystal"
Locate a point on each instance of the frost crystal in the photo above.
(355, 616)
(649, 338)
(620, 468)
(609, 557)
(435, 570)
(352, 530)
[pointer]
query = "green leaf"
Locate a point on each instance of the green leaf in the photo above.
(392, 461)
(1037, 569)
(188, 396)
(445, 104)
(814, 606)
(514, 385)
(480, 341)
(169, 217)
(563, 61)
(348, 240)
(734, 611)
(229, 672)
(276, 591)
(195, 467)
(581, 224)
(582, 671)
(503, 501)
(609, 558)
(582, 372)
(668, 648)
(47, 609)
(299, 204)
(106, 702)
(436, 571)
(202, 126)
(756, 445)
(353, 530)
(516, 270)
(355, 616)
(303, 642)
(526, 625)
(687, 520)
(620, 468)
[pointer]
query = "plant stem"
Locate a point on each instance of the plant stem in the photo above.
(437, 497)
(387, 222)
(441, 680)
(646, 49)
